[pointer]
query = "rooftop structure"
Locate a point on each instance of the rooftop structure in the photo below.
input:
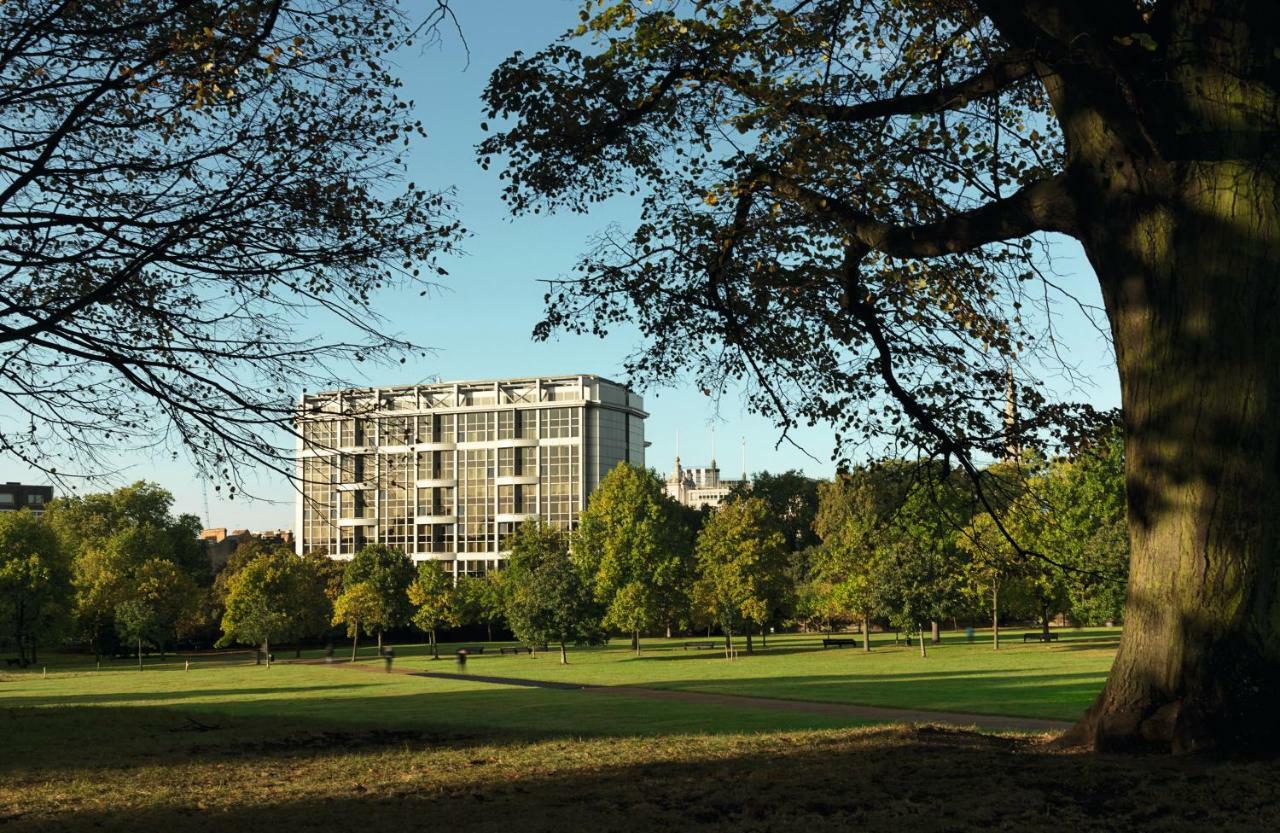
(15, 495)
(447, 471)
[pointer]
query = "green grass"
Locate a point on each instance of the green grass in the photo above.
(229, 746)
(1056, 680)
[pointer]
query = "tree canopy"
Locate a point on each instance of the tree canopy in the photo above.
(548, 599)
(183, 187)
(846, 208)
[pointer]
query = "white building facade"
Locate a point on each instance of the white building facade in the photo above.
(447, 471)
(700, 486)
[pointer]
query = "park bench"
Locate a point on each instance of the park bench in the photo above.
(836, 642)
(699, 645)
(511, 649)
(1039, 637)
(473, 649)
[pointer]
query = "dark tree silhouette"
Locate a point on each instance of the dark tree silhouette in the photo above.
(181, 185)
(844, 197)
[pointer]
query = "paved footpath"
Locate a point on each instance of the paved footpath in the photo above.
(874, 713)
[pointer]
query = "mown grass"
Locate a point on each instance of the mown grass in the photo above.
(237, 747)
(1056, 680)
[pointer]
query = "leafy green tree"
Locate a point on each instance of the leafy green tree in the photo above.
(482, 601)
(359, 607)
(435, 601)
(792, 499)
(870, 227)
(742, 566)
(388, 572)
(110, 535)
(157, 605)
(548, 600)
(276, 597)
(632, 546)
(36, 597)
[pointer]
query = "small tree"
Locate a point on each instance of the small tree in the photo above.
(388, 572)
(480, 600)
(433, 594)
(742, 565)
(547, 598)
(158, 605)
(358, 607)
(35, 581)
(275, 597)
(631, 545)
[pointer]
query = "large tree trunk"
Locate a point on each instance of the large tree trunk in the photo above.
(1188, 258)
(564, 655)
(635, 642)
(923, 652)
(435, 645)
(866, 634)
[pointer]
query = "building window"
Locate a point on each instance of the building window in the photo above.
(395, 515)
(35, 500)
(6, 499)
(559, 482)
(475, 499)
(560, 422)
(475, 427)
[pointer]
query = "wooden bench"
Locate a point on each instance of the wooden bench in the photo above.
(1039, 637)
(473, 649)
(699, 645)
(837, 642)
(511, 649)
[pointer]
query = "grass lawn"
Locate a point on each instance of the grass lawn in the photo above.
(236, 747)
(1057, 680)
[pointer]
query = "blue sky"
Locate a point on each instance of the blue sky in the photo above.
(480, 321)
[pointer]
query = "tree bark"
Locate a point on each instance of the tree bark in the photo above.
(139, 653)
(866, 634)
(355, 641)
(435, 645)
(995, 617)
(935, 632)
(923, 652)
(266, 649)
(1187, 251)
(488, 629)
(750, 647)
(635, 642)
(379, 641)
(564, 655)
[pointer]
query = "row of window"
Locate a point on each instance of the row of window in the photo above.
(480, 426)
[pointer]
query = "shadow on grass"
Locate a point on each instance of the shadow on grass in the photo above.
(55, 700)
(887, 779)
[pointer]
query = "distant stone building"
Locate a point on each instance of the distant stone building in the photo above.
(220, 544)
(701, 486)
(15, 496)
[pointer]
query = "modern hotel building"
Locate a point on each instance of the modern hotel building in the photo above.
(447, 471)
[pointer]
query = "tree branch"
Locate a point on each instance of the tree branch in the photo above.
(1041, 206)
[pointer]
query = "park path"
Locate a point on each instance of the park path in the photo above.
(880, 714)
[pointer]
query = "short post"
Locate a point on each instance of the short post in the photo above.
(462, 659)
(186, 666)
(44, 671)
(388, 657)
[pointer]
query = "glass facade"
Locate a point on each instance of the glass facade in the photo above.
(449, 471)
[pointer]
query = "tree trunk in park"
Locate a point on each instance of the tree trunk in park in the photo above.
(935, 632)
(435, 645)
(1045, 616)
(488, 629)
(297, 651)
(266, 649)
(635, 642)
(750, 647)
(564, 655)
(728, 643)
(922, 648)
(764, 637)
(379, 641)
(866, 634)
(139, 653)
(355, 641)
(1183, 231)
(995, 617)
(668, 630)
